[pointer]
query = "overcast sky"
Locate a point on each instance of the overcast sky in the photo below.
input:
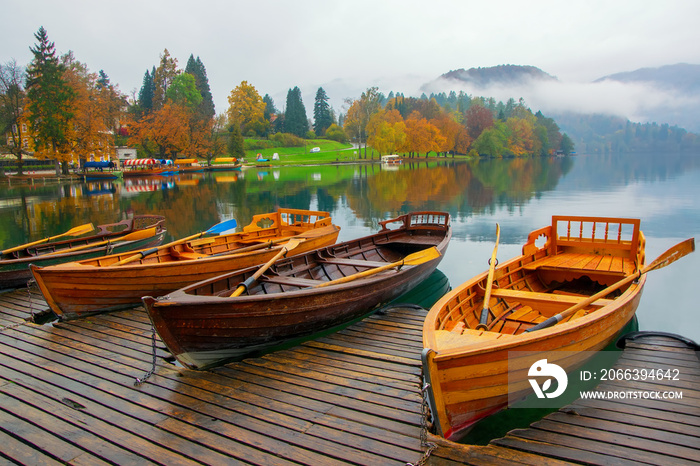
(349, 46)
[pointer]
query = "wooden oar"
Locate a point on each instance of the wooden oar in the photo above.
(293, 243)
(76, 231)
(136, 235)
(416, 258)
(218, 228)
(671, 255)
(484, 318)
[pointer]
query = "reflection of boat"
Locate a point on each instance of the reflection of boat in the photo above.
(224, 163)
(143, 184)
(143, 230)
(202, 325)
(188, 166)
(102, 284)
(392, 159)
(474, 372)
(103, 170)
(142, 167)
(98, 188)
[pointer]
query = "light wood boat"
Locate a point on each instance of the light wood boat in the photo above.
(119, 281)
(470, 372)
(138, 232)
(204, 325)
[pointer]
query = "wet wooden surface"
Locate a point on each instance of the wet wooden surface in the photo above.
(67, 396)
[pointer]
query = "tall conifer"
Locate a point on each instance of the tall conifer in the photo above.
(322, 112)
(49, 97)
(295, 121)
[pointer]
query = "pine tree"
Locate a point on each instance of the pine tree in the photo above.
(146, 93)
(295, 121)
(236, 145)
(50, 98)
(196, 68)
(322, 112)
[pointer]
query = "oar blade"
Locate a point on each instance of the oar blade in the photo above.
(223, 227)
(79, 230)
(673, 254)
(422, 256)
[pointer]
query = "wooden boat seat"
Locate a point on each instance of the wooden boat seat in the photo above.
(530, 296)
(293, 281)
(353, 262)
(186, 256)
(582, 262)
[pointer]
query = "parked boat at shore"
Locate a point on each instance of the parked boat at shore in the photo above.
(253, 309)
(138, 232)
(119, 281)
(477, 350)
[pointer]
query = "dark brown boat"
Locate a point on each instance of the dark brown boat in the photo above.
(138, 232)
(203, 325)
(119, 281)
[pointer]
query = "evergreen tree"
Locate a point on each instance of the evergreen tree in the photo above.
(322, 112)
(295, 121)
(50, 100)
(196, 68)
(146, 93)
(236, 144)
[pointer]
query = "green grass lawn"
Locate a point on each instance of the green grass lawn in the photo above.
(331, 151)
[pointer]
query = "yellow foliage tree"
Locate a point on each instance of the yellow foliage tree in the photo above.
(246, 108)
(386, 131)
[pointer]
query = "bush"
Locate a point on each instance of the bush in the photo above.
(288, 140)
(336, 133)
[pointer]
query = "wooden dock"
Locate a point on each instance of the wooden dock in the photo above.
(67, 396)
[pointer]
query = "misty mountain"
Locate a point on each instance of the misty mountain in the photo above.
(682, 77)
(668, 96)
(501, 74)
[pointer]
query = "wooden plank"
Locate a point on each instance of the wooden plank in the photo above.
(668, 444)
(560, 451)
(588, 445)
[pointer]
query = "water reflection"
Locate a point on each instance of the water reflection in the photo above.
(520, 194)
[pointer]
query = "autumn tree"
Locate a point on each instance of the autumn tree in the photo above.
(322, 112)
(12, 121)
(478, 119)
(295, 121)
(163, 77)
(386, 131)
(164, 132)
(90, 134)
(422, 136)
(360, 112)
(50, 100)
(247, 109)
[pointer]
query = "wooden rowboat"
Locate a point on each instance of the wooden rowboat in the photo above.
(203, 326)
(119, 281)
(138, 232)
(474, 373)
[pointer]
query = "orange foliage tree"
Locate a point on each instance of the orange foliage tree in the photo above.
(164, 132)
(422, 136)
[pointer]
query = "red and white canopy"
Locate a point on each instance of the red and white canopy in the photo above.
(132, 162)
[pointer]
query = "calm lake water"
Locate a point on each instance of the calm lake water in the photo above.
(521, 195)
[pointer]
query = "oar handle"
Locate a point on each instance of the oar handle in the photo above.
(484, 318)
